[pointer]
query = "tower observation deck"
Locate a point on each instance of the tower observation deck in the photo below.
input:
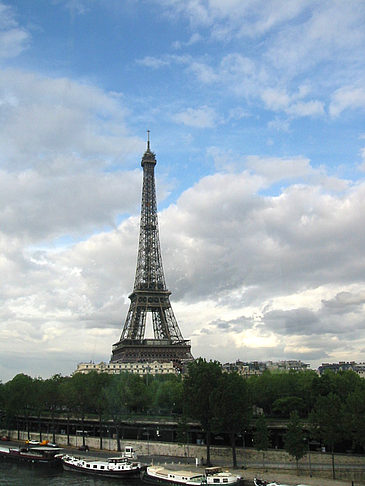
(150, 294)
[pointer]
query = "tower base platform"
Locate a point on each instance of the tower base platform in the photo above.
(148, 350)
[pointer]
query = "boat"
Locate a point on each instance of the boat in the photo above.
(35, 455)
(113, 467)
(262, 482)
(211, 475)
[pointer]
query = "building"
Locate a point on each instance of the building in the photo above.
(142, 369)
(258, 367)
(358, 368)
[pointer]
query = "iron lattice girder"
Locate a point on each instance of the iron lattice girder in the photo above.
(149, 272)
(150, 294)
(164, 322)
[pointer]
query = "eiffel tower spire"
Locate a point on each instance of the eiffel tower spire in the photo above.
(150, 294)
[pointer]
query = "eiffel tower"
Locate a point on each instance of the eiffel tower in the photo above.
(150, 294)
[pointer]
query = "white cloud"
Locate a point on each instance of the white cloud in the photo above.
(347, 97)
(194, 38)
(266, 275)
(39, 206)
(13, 38)
(153, 62)
(203, 117)
(234, 17)
(275, 168)
(293, 43)
(42, 116)
(163, 61)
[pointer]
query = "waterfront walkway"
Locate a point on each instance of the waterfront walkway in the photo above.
(250, 472)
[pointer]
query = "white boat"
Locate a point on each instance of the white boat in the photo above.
(113, 467)
(212, 475)
(262, 482)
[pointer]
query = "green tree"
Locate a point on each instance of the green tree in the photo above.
(232, 408)
(261, 440)
(116, 405)
(182, 433)
(284, 406)
(51, 398)
(203, 377)
(354, 415)
(327, 419)
(169, 395)
(134, 391)
(21, 397)
(78, 393)
(294, 439)
(98, 383)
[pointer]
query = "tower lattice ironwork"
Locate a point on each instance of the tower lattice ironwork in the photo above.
(150, 294)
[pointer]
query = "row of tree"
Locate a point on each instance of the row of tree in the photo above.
(331, 406)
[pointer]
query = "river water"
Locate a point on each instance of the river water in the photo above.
(14, 474)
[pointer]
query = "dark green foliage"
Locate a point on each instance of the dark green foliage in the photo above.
(327, 419)
(269, 387)
(283, 407)
(261, 436)
(261, 439)
(335, 403)
(231, 407)
(202, 379)
(354, 415)
(294, 440)
(168, 397)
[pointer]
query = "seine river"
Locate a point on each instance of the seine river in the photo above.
(14, 474)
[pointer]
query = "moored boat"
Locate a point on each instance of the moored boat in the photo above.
(262, 482)
(35, 455)
(113, 467)
(212, 475)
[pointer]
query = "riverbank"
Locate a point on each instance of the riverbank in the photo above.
(279, 465)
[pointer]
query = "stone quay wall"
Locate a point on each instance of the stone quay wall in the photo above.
(347, 466)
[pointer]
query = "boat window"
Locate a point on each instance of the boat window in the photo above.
(102, 467)
(87, 465)
(95, 466)
(216, 480)
(225, 480)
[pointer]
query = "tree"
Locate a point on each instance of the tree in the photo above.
(354, 415)
(21, 397)
(98, 383)
(115, 404)
(203, 377)
(78, 393)
(284, 406)
(182, 434)
(134, 392)
(294, 440)
(327, 420)
(125, 393)
(231, 406)
(261, 437)
(51, 397)
(169, 395)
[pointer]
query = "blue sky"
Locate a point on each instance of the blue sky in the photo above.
(256, 111)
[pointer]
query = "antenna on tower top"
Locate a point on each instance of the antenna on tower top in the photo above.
(148, 139)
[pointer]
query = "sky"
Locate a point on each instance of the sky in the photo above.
(257, 118)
